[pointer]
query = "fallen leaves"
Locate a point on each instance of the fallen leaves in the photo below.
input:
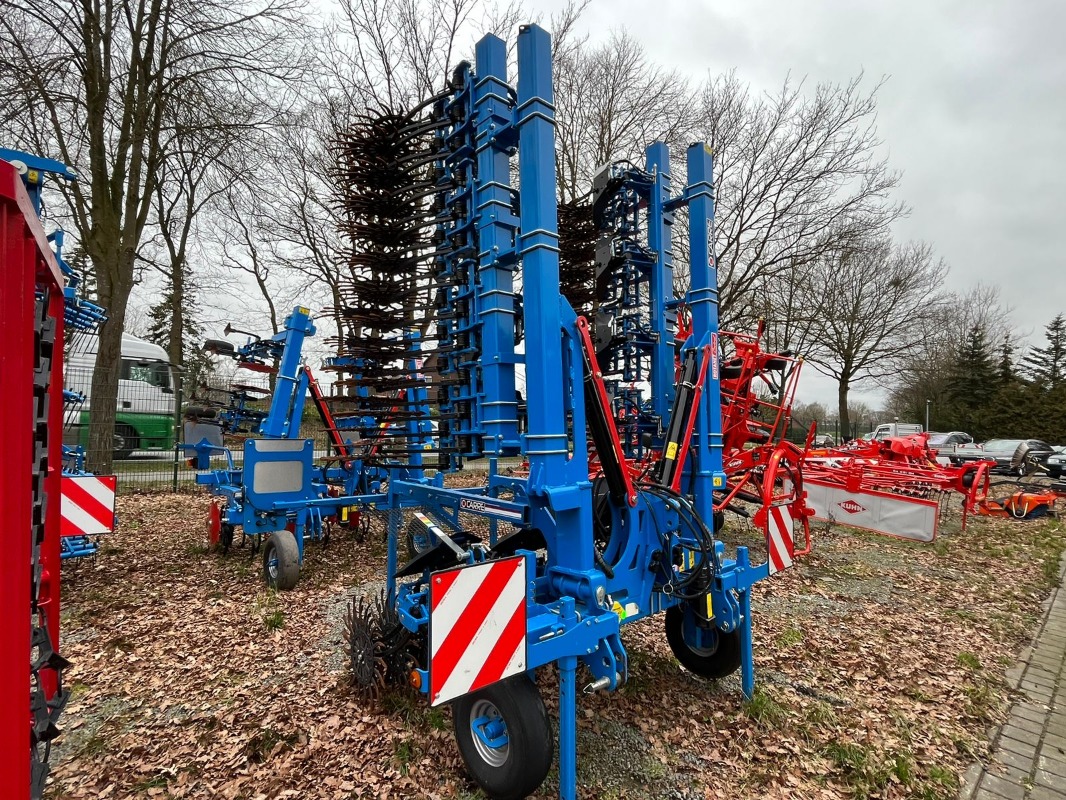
(879, 666)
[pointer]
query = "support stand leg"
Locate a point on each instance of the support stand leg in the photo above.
(747, 659)
(568, 728)
(394, 536)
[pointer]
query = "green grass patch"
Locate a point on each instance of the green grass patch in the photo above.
(404, 754)
(789, 637)
(861, 768)
(765, 710)
(266, 740)
(268, 609)
(969, 661)
(981, 701)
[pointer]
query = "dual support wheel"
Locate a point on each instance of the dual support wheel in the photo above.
(281, 561)
(707, 652)
(505, 735)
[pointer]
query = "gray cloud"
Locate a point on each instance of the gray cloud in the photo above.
(973, 113)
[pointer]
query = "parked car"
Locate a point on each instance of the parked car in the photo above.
(1056, 464)
(824, 440)
(1002, 452)
(945, 444)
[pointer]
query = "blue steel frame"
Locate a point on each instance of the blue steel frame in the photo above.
(305, 508)
(576, 601)
(575, 609)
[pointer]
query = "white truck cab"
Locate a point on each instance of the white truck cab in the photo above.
(895, 429)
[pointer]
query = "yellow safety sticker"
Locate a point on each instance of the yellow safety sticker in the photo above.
(671, 451)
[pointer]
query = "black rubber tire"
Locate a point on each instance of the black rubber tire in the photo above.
(225, 537)
(281, 545)
(722, 660)
(219, 347)
(126, 441)
(200, 412)
(527, 755)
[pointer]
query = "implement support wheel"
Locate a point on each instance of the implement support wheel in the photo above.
(709, 653)
(505, 737)
(281, 561)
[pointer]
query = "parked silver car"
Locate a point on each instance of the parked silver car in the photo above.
(1002, 451)
(1056, 464)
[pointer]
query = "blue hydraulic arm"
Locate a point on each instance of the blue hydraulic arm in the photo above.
(290, 391)
(662, 281)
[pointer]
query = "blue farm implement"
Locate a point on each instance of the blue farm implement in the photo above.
(456, 284)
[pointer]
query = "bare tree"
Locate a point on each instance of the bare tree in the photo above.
(375, 54)
(89, 82)
(611, 102)
(925, 374)
(794, 172)
(866, 304)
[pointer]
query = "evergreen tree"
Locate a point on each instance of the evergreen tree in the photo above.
(972, 384)
(1005, 371)
(181, 340)
(1046, 366)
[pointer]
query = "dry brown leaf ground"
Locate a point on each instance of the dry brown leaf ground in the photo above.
(879, 666)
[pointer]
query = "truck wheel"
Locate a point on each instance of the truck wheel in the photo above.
(505, 737)
(281, 561)
(126, 441)
(715, 657)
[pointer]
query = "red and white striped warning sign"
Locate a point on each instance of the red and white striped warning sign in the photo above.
(88, 504)
(477, 627)
(779, 545)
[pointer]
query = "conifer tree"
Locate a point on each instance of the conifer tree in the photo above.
(973, 384)
(1046, 366)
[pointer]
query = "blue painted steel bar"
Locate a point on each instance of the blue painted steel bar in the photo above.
(703, 299)
(546, 440)
(568, 728)
(662, 280)
(298, 326)
(496, 226)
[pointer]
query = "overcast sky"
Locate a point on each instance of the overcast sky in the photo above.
(973, 114)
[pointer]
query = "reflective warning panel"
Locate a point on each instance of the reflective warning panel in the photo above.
(87, 505)
(477, 627)
(780, 545)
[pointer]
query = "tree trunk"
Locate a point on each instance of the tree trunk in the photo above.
(842, 408)
(104, 393)
(176, 339)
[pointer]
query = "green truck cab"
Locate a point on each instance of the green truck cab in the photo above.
(146, 409)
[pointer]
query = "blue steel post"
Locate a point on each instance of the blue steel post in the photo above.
(662, 280)
(546, 441)
(703, 299)
(568, 727)
(496, 225)
(298, 326)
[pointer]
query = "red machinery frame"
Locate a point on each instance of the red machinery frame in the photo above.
(27, 267)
